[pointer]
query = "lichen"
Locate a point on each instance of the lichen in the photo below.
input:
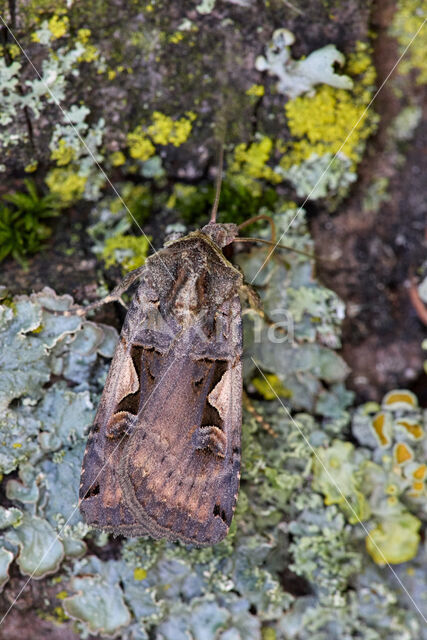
(329, 130)
(128, 251)
(407, 22)
(297, 562)
(298, 77)
(163, 130)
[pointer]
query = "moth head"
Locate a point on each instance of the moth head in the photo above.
(221, 234)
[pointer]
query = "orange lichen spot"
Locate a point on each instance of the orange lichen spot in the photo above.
(400, 399)
(381, 427)
(402, 453)
(418, 486)
(420, 472)
(412, 427)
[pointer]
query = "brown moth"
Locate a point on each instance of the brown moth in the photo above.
(163, 455)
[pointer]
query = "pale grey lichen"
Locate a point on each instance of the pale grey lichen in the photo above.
(320, 176)
(301, 76)
(40, 551)
(6, 558)
(305, 316)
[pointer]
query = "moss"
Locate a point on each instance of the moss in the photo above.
(241, 199)
(23, 228)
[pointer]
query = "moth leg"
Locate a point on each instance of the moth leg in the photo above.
(247, 403)
(253, 299)
(210, 438)
(114, 296)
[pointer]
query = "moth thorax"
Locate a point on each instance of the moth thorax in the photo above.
(221, 234)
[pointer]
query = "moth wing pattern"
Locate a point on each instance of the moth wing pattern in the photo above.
(163, 454)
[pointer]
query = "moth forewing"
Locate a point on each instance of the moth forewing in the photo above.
(163, 455)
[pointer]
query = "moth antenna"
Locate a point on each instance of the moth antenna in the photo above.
(276, 246)
(218, 183)
(258, 417)
(261, 216)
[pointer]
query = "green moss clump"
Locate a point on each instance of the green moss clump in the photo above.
(237, 203)
(23, 231)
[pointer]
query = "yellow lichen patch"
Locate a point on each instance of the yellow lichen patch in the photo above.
(90, 54)
(63, 154)
(140, 147)
(139, 574)
(176, 37)
(129, 251)
(117, 158)
(323, 123)
(30, 168)
(413, 428)
(62, 595)
(400, 399)
(17, 445)
(391, 489)
(333, 120)
(381, 424)
(66, 184)
(402, 453)
(83, 35)
(14, 51)
(250, 164)
(256, 90)
(58, 26)
(408, 22)
(271, 387)
(395, 540)
(165, 130)
(38, 329)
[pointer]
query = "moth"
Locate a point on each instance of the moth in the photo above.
(163, 455)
